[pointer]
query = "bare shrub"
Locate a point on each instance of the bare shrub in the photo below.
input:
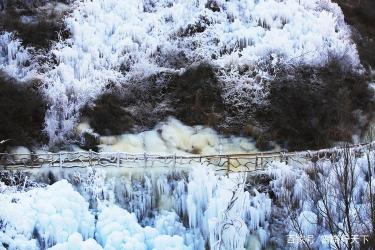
(338, 190)
(37, 28)
(22, 111)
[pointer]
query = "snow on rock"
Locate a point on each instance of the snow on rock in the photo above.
(43, 217)
(116, 41)
(174, 137)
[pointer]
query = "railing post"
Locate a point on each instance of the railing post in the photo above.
(60, 160)
(118, 159)
(145, 158)
(174, 160)
(90, 157)
(228, 165)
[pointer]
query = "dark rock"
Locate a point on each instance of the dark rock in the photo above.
(131, 108)
(213, 5)
(90, 141)
(198, 27)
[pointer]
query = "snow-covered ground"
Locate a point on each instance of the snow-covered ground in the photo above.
(116, 41)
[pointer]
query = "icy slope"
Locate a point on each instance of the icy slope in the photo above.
(117, 41)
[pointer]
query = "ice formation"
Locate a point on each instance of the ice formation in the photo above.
(117, 41)
(43, 217)
(173, 136)
(16, 60)
(75, 242)
(116, 228)
(120, 206)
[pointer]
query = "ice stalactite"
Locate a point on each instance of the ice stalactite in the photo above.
(224, 212)
(174, 210)
(15, 60)
(117, 227)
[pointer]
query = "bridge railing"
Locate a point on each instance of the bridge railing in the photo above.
(222, 162)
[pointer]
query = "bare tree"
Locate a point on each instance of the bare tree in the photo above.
(343, 202)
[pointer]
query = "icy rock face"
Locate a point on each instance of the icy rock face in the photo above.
(43, 217)
(117, 41)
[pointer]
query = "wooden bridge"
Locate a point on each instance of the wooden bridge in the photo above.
(247, 162)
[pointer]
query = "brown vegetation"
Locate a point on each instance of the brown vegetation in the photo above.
(36, 27)
(22, 111)
(314, 107)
